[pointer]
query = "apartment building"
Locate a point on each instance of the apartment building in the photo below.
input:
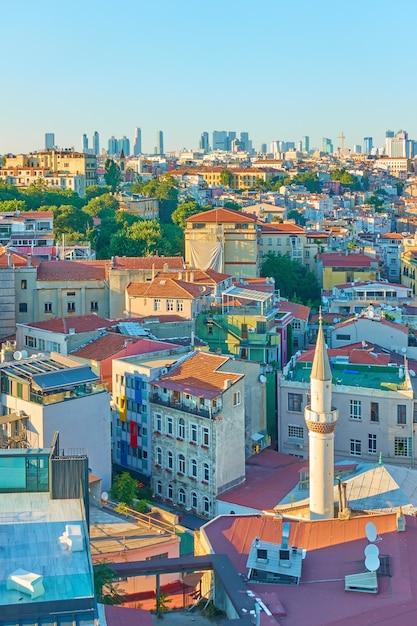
(30, 232)
(290, 240)
(44, 394)
(198, 424)
(141, 206)
(351, 298)
(336, 268)
(374, 397)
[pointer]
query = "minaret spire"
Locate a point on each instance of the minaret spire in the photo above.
(321, 420)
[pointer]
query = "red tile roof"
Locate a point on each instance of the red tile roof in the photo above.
(392, 236)
(299, 311)
(382, 321)
(166, 288)
(368, 355)
(285, 228)
(222, 216)
(347, 260)
(80, 323)
(18, 259)
(112, 343)
(198, 376)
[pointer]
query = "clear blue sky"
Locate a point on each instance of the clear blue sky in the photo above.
(275, 68)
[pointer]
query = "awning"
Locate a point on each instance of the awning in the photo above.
(257, 437)
(64, 378)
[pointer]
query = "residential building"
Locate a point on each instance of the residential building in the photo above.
(131, 408)
(353, 298)
(142, 206)
(389, 246)
(223, 240)
(288, 239)
(374, 397)
(336, 268)
(198, 418)
(49, 141)
(241, 178)
(370, 326)
(46, 571)
(137, 143)
(300, 315)
(29, 232)
(44, 394)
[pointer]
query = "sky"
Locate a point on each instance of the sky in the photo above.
(274, 68)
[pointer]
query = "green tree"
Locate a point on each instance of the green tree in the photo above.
(185, 210)
(162, 603)
(8, 192)
(104, 584)
(165, 189)
(226, 178)
(72, 221)
(124, 488)
(11, 206)
(95, 190)
(292, 279)
(378, 203)
(297, 216)
(112, 175)
(231, 205)
(172, 242)
(106, 203)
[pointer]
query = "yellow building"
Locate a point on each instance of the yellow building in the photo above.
(408, 260)
(337, 268)
(242, 178)
(291, 240)
(223, 240)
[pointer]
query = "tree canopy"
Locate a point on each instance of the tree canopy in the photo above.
(292, 279)
(112, 174)
(226, 178)
(185, 210)
(165, 189)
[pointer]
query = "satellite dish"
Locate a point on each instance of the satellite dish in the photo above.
(411, 372)
(104, 496)
(370, 531)
(262, 379)
(372, 563)
(371, 550)
(24, 354)
(17, 355)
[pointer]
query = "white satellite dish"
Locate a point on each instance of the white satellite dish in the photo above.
(372, 563)
(104, 496)
(17, 355)
(371, 550)
(262, 379)
(24, 354)
(370, 531)
(411, 372)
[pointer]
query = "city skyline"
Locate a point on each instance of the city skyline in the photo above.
(279, 74)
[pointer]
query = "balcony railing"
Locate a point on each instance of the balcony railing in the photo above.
(66, 394)
(186, 407)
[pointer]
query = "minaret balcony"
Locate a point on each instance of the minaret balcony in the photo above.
(320, 418)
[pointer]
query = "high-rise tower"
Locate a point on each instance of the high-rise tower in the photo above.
(159, 142)
(321, 420)
(49, 141)
(137, 144)
(96, 143)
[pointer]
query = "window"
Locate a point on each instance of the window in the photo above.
(180, 306)
(355, 409)
(30, 342)
(70, 293)
(206, 436)
(181, 464)
(236, 398)
(307, 254)
(170, 305)
(159, 488)
(181, 496)
(402, 446)
(71, 307)
(193, 433)
(170, 462)
(295, 432)
(158, 422)
(374, 412)
(372, 444)
(158, 456)
(194, 500)
(401, 414)
(170, 426)
(94, 306)
(206, 506)
(181, 428)
(206, 472)
(48, 307)
(341, 337)
(23, 284)
(355, 447)
(170, 492)
(157, 304)
(261, 328)
(296, 324)
(23, 307)
(193, 468)
(295, 402)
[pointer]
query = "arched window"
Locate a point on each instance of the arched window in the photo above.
(181, 496)
(158, 456)
(181, 464)
(206, 472)
(193, 468)
(159, 488)
(170, 461)
(169, 492)
(206, 506)
(181, 429)
(194, 500)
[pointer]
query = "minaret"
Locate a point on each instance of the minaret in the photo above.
(321, 421)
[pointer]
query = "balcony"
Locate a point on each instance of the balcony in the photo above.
(67, 394)
(185, 407)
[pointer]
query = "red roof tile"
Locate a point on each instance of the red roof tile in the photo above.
(80, 324)
(166, 288)
(112, 343)
(299, 311)
(222, 216)
(18, 259)
(347, 260)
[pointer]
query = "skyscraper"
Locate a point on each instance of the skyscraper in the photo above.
(159, 142)
(112, 145)
(49, 141)
(367, 145)
(219, 140)
(137, 144)
(96, 143)
(123, 144)
(204, 141)
(85, 144)
(327, 146)
(305, 144)
(246, 142)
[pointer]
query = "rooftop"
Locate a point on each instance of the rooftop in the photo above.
(383, 378)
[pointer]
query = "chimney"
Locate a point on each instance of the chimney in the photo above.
(227, 383)
(29, 261)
